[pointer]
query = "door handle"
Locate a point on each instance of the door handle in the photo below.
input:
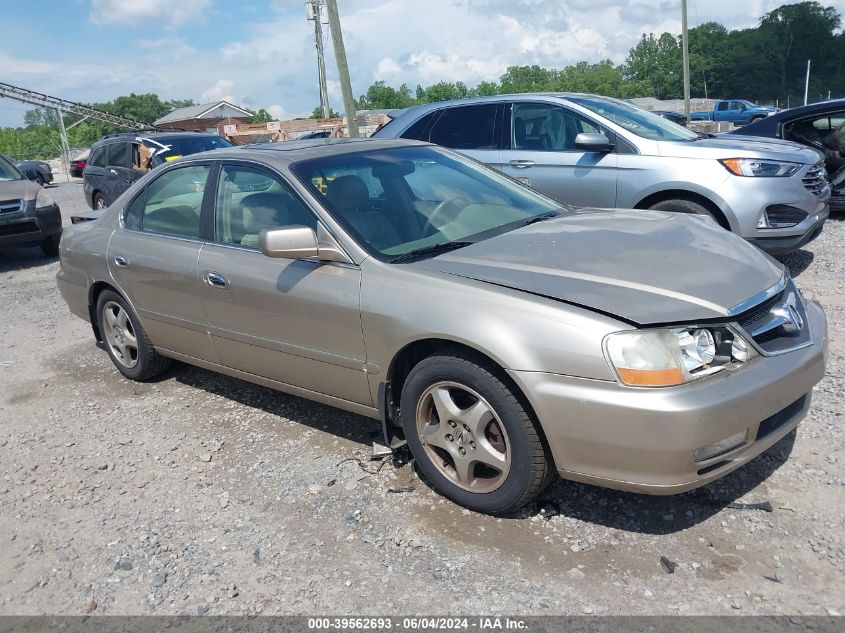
(216, 279)
(113, 172)
(121, 261)
(522, 164)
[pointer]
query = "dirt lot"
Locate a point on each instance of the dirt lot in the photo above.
(202, 494)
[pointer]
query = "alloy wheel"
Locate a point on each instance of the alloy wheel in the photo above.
(120, 335)
(463, 437)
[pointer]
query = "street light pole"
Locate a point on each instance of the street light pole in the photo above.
(685, 45)
(342, 68)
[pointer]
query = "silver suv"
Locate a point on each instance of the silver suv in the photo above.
(591, 151)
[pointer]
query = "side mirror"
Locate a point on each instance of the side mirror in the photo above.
(593, 142)
(293, 242)
(301, 242)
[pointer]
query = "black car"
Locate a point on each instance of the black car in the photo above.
(35, 170)
(77, 165)
(674, 117)
(319, 134)
(820, 126)
(28, 214)
(118, 160)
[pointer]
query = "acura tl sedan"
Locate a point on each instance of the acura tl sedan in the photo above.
(505, 337)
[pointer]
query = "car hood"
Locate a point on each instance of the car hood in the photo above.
(740, 147)
(644, 267)
(11, 189)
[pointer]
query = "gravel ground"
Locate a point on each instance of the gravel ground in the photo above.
(202, 494)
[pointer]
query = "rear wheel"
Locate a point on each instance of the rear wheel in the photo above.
(126, 342)
(472, 437)
(99, 201)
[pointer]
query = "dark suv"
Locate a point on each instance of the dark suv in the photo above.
(118, 160)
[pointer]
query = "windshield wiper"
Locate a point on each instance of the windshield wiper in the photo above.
(430, 251)
(541, 218)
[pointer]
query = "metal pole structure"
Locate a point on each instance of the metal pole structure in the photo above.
(685, 43)
(807, 82)
(342, 68)
(321, 58)
(65, 148)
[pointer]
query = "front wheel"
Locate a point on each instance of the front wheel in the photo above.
(50, 246)
(126, 342)
(679, 205)
(471, 435)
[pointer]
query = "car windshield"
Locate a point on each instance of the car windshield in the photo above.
(403, 201)
(171, 148)
(637, 121)
(8, 171)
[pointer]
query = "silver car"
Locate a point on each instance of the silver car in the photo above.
(594, 151)
(505, 337)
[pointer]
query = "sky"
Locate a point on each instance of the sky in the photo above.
(261, 54)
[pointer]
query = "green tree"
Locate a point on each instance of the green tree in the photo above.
(317, 113)
(525, 79)
(658, 60)
(262, 116)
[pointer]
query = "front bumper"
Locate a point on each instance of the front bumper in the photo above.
(783, 245)
(644, 440)
(30, 227)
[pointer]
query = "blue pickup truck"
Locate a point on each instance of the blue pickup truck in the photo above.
(736, 111)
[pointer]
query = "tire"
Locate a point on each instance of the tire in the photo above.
(98, 201)
(50, 245)
(121, 333)
(506, 436)
(679, 205)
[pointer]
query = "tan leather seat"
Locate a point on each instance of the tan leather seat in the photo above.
(351, 200)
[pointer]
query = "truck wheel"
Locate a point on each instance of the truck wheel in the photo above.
(679, 205)
(472, 437)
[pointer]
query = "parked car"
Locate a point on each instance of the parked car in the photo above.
(508, 336)
(118, 160)
(28, 214)
(674, 117)
(35, 170)
(77, 165)
(318, 134)
(586, 150)
(736, 111)
(820, 126)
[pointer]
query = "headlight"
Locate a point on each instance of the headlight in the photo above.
(761, 168)
(667, 357)
(43, 200)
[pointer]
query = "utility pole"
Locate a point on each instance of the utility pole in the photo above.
(342, 68)
(313, 12)
(685, 44)
(807, 82)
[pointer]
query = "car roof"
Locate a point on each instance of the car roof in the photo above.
(771, 124)
(296, 151)
(162, 134)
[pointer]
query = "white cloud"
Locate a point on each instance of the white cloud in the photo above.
(278, 112)
(222, 90)
(386, 68)
(170, 12)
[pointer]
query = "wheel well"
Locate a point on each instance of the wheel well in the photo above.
(680, 194)
(93, 295)
(409, 356)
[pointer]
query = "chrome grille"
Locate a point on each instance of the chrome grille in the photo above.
(815, 180)
(762, 324)
(11, 206)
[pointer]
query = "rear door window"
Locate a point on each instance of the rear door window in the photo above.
(120, 155)
(466, 127)
(173, 203)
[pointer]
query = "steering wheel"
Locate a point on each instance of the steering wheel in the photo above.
(440, 212)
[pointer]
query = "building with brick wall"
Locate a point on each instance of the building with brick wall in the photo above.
(205, 117)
